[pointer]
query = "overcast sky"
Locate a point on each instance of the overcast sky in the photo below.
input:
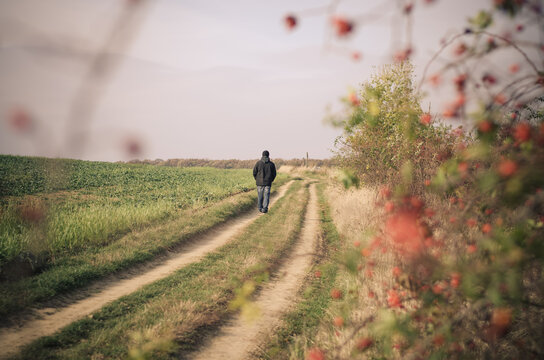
(201, 78)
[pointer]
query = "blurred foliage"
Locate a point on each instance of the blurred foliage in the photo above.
(462, 209)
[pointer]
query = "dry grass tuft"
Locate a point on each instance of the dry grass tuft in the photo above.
(357, 220)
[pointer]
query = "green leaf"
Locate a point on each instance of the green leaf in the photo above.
(351, 260)
(349, 179)
(488, 181)
(482, 20)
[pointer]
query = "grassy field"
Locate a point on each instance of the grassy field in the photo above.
(171, 316)
(83, 220)
(57, 206)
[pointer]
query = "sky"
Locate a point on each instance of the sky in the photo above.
(199, 78)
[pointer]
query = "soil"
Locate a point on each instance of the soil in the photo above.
(47, 321)
(240, 338)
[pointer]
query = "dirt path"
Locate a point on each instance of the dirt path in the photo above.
(239, 338)
(53, 319)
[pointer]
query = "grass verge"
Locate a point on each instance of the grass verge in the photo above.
(73, 272)
(300, 324)
(170, 315)
(50, 208)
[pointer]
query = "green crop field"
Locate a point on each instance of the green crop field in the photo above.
(59, 206)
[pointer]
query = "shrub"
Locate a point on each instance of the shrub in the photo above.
(386, 133)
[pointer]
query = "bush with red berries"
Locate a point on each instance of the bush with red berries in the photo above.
(463, 210)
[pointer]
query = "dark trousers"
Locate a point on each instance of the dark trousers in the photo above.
(263, 194)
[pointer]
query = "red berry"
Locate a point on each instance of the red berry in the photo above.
(315, 354)
(514, 68)
(406, 231)
(429, 212)
(522, 132)
(460, 100)
(393, 299)
(425, 119)
(435, 79)
(317, 274)
(486, 228)
(489, 79)
(342, 26)
(389, 206)
(353, 99)
(507, 168)
(438, 288)
(338, 321)
(485, 126)
(471, 222)
(500, 99)
(397, 271)
(336, 294)
(455, 280)
(20, 120)
(416, 203)
(471, 249)
(438, 340)
(133, 147)
(364, 343)
(460, 49)
(290, 21)
(460, 81)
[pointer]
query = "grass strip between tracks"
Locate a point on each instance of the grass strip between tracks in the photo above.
(302, 322)
(73, 272)
(173, 314)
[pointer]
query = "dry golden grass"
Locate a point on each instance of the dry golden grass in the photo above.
(357, 219)
(359, 216)
(302, 171)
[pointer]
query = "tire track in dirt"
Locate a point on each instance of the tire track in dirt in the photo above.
(240, 338)
(53, 319)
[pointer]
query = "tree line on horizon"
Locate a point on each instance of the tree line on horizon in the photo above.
(234, 163)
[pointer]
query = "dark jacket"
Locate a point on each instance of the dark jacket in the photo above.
(264, 172)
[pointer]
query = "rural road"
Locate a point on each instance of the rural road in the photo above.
(239, 338)
(53, 319)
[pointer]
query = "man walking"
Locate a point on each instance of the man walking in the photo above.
(264, 173)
